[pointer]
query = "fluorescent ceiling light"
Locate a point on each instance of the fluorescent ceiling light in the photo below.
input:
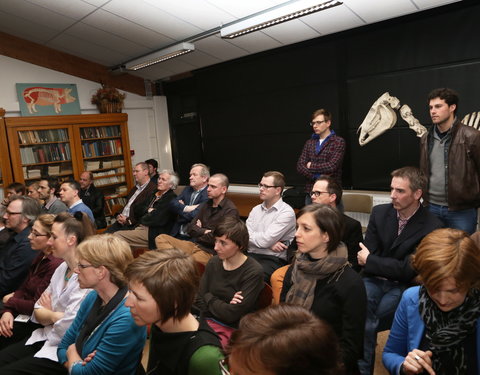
(275, 16)
(159, 56)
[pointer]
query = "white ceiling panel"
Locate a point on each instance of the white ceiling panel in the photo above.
(36, 14)
(87, 50)
(142, 13)
(426, 4)
(153, 72)
(256, 42)
(219, 48)
(97, 3)
(374, 10)
(333, 20)
(107, 40)
(245, 8)
(291, 32)
(177, 66)
(75, 9)
(199, 59)
(200, 13)
(25, 29)
(124, 28)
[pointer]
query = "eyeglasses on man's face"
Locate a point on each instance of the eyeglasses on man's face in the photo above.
(318, 123)
(263, 186)
(316, 193)
(10, 213)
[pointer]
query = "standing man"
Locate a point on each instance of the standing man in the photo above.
(93, 198)
(152, 170)
(271, 225)
(323, 152)
(47, 188)
(200, 229)
(155, 215)
(185, 206)
(69, 194)
(393, 233)
(450, 157)
(143, 189)
(17, 255)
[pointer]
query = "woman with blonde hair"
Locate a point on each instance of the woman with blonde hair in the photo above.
(103, 338)
(437, 325)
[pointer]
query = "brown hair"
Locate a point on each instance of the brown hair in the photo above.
(46, 221)
(78, 225)
(448, 253)
(235, 230)
(278, 178)
(417, 179)
(333, 187)
(171, 277)
(109, 251)
(327, 116)
(329, 220)
(448, 95)
(286, 339)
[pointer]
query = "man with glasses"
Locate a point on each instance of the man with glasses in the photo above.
(47, 188)
(271, 225)
(17, 255)
(323, 152)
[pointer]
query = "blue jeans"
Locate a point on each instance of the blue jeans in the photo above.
(383, 297)
(463, 219)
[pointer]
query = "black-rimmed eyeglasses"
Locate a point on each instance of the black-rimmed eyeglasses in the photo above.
(316, 193)
(313, 123)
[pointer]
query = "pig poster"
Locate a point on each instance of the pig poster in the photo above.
(46, 99)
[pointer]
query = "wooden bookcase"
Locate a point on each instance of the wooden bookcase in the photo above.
(5, 165)
(64, 146)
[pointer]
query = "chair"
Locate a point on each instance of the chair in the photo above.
(265, 297)
(358, 203)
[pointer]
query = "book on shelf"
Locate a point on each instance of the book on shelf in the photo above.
(42, 136)
(34, 173)
(100, 132)
(45, 153)
(53, 170)
(92, 165)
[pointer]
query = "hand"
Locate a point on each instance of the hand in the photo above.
(278, 247)
(207, 231)
(363, 254)
(181, 202)
(122, 219)
(190, 208)
(45, 301)
(6, 297)
(198, 223)
(237, 298)
(418, 361)
(6, 324)
(309, 164)
(89, 357)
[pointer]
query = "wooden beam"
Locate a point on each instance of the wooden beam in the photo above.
(50, 58)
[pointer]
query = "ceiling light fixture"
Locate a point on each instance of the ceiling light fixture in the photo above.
(159, 56)
(274, 16)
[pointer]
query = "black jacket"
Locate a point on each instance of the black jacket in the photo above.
(95, 200)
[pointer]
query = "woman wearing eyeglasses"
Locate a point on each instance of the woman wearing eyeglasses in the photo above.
(57, 306)
(103, 338)
(321, 280)
(162, 288)
(18, 306)
(322, 153)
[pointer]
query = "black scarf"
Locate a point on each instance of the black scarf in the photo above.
(446, 331)
(96, 316)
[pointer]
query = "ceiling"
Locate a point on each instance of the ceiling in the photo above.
(112, 32)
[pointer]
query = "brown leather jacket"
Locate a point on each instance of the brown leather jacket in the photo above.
(463, 167)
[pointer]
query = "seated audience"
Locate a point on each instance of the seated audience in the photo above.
(321, 279)
(162, 288)
(283, 340)
(69, 194)
(21, 301)
(271, 225)
(186, 205)
(393, 233)
(155, 215)
(47, 190)
(436, 329)
(232, 282)
(32, 191)
(103, 338)
(15, 188)
(93, 198)
(57, 306)
(152, 170)
(143, 189)
(201, 227)
(17, 256)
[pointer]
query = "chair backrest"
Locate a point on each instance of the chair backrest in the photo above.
(358, 203)
(265, 297)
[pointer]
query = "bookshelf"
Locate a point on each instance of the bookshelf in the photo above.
(5, 166)
(65, 146)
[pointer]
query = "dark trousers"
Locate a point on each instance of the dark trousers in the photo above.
(269, 264)
(18, 359)
(20, 332)
(117, 226)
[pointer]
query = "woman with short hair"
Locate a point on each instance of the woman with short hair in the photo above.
(103, 338)
(322, 280)
(437, 325)
(162, 288)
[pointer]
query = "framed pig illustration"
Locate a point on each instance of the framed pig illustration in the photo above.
(45, 99)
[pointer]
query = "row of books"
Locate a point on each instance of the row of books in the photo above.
(99, 132)
(111, 201)
(45, 153)
(109, 172)
(50, 170)
(93, 165)
(102, 148)
(109, 180)
(40, 136)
